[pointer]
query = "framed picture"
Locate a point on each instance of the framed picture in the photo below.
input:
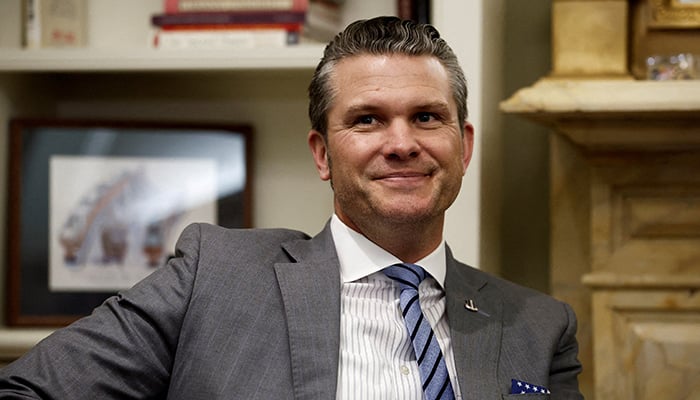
(662, 28)
(95, 206)
(674, 14)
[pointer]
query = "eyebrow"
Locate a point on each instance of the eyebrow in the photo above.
(440, 106)
(436, 106)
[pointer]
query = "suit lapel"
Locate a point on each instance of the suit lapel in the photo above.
(310, 287)
(310, 290)
(476, 335)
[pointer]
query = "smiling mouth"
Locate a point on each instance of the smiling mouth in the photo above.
(406, 174)
(403, 178)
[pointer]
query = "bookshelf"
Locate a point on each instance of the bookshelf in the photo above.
(118, 76)
(303, 56)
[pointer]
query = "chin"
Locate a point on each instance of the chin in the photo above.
(404, 216)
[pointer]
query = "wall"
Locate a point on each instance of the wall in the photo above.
(524, 228)
(471, 223)
(503, 227)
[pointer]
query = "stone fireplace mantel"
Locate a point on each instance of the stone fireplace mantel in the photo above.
(624, 193)
(589, 111)
(625, 227)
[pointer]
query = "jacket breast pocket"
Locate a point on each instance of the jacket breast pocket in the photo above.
(527, 396)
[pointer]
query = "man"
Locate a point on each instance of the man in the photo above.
(373, 307)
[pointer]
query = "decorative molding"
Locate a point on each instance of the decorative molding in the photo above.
(658, 211)
(561, 97)
(610, 280)
(647, 343)
(614, 114)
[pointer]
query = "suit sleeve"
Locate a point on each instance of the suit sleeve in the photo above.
(123, 350)
(565, 366)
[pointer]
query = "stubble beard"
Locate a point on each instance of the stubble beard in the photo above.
(370, 214)
(370, 211)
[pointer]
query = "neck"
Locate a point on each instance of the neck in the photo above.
(408, 241)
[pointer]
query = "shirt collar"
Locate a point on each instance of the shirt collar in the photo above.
(360, 257)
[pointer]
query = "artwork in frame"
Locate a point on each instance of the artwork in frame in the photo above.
(674, 14)
(96, 206)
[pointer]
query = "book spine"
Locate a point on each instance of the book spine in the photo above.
(225, 40)
(182, 28)
(417, 10)
(323, 20)
(54, 23)
(231, 17)
(404, 9)
(177, 6)
(421, 11)
(32, 25)
(171, 6)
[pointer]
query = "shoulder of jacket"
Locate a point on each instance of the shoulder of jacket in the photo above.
(266, 234)
(510, 289)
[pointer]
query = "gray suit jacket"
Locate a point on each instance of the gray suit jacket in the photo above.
(255, 314)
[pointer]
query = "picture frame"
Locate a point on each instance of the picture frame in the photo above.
(95, 205)
(674, 14)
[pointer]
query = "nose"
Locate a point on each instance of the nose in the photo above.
(400, 141)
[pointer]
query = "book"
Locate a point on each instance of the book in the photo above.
(324, 19)
(417, 10)
(177, 6)
(216, 27)
(224, 39)
(230, 18)
(54, 23)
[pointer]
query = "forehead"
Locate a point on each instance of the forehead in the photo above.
(379, 76)
(388, 67)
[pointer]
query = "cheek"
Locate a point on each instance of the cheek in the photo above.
(447, 153)
(352, 152)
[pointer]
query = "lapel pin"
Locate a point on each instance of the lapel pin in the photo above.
(469, 305)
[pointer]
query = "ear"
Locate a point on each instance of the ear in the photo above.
(319, 150)
(468, 145)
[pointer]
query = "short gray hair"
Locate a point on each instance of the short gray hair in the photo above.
(381, 36)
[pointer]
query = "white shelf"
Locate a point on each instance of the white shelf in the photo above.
(304, 56)
(15, 342)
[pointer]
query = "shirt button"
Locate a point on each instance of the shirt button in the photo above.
(404, 370)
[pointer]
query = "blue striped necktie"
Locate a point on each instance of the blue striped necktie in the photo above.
(431, 363)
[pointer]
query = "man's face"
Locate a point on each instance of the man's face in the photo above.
(394, 152)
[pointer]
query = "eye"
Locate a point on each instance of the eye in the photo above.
(365, 120)
(424, 117)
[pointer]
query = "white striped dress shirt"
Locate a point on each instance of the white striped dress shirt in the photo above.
(376, 354)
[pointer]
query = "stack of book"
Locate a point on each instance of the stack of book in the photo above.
(229, 24)
(55, 23)
(324, 19)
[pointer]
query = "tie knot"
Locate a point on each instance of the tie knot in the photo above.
(406, 275)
